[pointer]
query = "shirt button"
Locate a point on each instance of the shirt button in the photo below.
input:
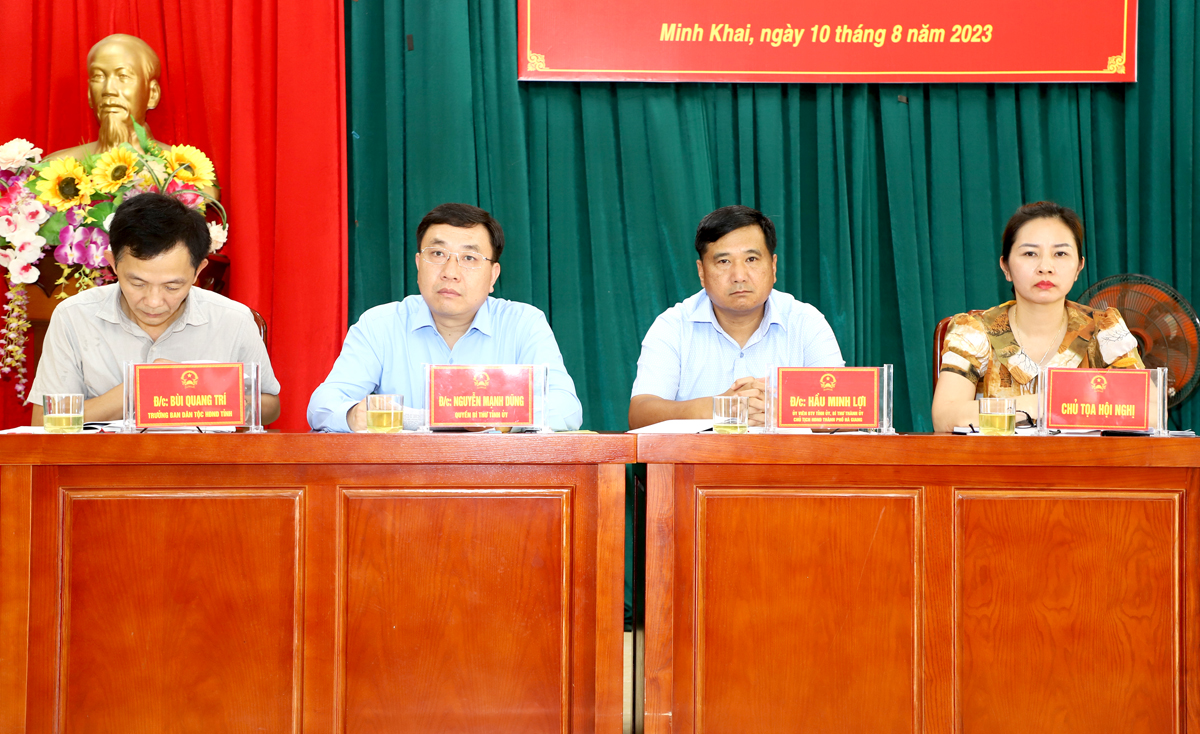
(743, 354)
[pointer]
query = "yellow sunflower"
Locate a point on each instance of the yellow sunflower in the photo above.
(64, 184)
(194, 167)
(115, 168)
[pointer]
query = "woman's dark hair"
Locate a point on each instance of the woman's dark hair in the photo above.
(729, 218)
(464, 215)
(150, 224)
(1041, 210)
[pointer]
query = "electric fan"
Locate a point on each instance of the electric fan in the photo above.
(1163, 322)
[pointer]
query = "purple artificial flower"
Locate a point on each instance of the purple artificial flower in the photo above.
(72, 239)
(75, 216)
(82, 246)
(95, 248)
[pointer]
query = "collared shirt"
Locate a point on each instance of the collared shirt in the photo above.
(385, 353)
(687, 355)
(90, 338)
(983, 348)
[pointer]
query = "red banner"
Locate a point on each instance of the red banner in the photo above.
(848, 41)
(472, 395)
(1104, 399)
(812, 397)
(188, 395)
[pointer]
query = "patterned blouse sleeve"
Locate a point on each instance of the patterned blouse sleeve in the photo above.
(966, 350)
(1117, 346)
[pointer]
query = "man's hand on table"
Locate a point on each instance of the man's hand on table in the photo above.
(754, 389)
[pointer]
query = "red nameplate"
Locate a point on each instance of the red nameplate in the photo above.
(475, 395)
(1098, 399)
(188, 395)
(813, 397)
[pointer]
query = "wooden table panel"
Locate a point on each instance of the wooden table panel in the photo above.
(180, 611)
(1068, 611)
(233, 560)
(1065, 603)
(15, 496)
(457, 611)
(806, 609)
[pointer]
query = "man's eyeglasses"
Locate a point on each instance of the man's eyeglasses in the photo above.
(466, 260)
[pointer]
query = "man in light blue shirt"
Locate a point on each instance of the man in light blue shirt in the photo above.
(452, 321)
(724, 339)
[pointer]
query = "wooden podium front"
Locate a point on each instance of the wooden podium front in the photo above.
(316, 583)
(862, 583)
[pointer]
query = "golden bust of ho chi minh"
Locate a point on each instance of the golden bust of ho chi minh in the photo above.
(122, 86)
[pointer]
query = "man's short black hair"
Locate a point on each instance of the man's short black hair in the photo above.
(464, 215)
(729, 218)
(150, 224)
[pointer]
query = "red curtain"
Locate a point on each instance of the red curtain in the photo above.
(258, 85)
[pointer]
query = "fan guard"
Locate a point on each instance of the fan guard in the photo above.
(1163, 322)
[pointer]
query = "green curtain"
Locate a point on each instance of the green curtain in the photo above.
(889, 199)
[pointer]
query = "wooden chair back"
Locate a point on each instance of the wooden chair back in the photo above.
(261, 323)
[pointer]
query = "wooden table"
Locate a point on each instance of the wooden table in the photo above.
(317, 583)
(942, 584)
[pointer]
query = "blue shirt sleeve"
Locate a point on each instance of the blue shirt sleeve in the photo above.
(659, 365)
(355, 374)
(820, 347)
(564, 412)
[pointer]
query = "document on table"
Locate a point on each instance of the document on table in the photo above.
(1032, 431)
(693, 425)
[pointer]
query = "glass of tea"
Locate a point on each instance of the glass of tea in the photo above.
(731, 414)
(997, 416)
(62, 413)
(385, 413)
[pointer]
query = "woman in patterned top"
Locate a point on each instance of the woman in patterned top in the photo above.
(998, 353)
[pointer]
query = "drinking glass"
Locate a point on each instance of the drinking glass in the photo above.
(385, 413)
(997, 416)
(62, 413)
(731, 414)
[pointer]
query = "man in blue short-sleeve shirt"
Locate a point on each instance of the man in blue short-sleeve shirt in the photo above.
(724, 339)
(452, 321)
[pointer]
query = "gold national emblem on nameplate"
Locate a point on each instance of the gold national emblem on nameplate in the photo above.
(828, 381)
(482, 380)
(1099, 383)
(189, 378)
